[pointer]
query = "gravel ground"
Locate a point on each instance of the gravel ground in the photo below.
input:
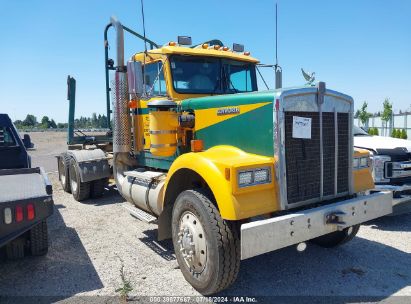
(90, 242)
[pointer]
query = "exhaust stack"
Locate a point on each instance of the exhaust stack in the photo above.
(121, 115)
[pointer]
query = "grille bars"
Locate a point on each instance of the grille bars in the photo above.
(335, 151)
(320, 101)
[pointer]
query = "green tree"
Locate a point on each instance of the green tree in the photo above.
(394, 133)
(45, 122)
(94, 121)
(387, 111)
(376, 132)
(363, 115)
(18, 123)
(30, 121)
(398, 133)
(404, 134)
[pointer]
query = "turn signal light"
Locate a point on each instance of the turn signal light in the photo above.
(227, 172)
(30, 212)
(197, 145)
(19, 213)
(132, 104)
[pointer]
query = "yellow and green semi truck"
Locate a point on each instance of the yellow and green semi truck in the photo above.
(227, 171)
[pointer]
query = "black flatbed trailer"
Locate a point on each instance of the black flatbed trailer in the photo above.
(28, 189)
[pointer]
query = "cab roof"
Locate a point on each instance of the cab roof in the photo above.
(196, 51)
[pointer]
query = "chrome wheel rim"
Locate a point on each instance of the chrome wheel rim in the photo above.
(73, 183)
(192, 242)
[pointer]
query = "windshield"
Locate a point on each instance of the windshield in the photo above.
(359, 132)
(208, 75)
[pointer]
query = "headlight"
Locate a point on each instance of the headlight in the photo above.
(360, 162)
(378, 168)
(245, 178)
(254, 177)
(364, 162)
(261, 176)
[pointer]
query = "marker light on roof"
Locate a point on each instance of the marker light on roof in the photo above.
(184, 40)
(216, 47)
(238, 47)
(172, 43)
(205, 46)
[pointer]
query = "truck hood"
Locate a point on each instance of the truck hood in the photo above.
(381, 142)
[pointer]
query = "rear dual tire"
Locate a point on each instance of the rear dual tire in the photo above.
(39, 244)
(84, 190)
(35, 241)
(63, 169)
(79, 189)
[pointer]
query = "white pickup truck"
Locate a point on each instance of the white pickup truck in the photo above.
(391, 166)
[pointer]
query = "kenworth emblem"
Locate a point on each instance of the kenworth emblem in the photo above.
(227, 111)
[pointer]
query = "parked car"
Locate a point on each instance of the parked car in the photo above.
(391, 165)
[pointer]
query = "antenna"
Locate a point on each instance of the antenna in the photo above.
(144, 26)
(145, 48)
(278, 70)
(276, 34)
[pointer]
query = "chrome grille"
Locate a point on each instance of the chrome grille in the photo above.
(303, 158)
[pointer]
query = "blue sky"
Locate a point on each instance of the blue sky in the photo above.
(362, 48)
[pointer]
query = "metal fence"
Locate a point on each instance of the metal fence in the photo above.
(397, 121)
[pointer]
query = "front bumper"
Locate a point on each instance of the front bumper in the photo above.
(271, 234)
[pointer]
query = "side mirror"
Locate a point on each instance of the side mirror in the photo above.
(27, 142)
(135, 78)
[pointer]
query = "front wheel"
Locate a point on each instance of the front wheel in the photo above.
(337, 238)
(207, 247)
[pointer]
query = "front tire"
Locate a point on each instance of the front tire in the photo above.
(207, 247)
(337, 238)
(80, 190)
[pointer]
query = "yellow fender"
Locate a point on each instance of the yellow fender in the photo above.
(219, 167)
